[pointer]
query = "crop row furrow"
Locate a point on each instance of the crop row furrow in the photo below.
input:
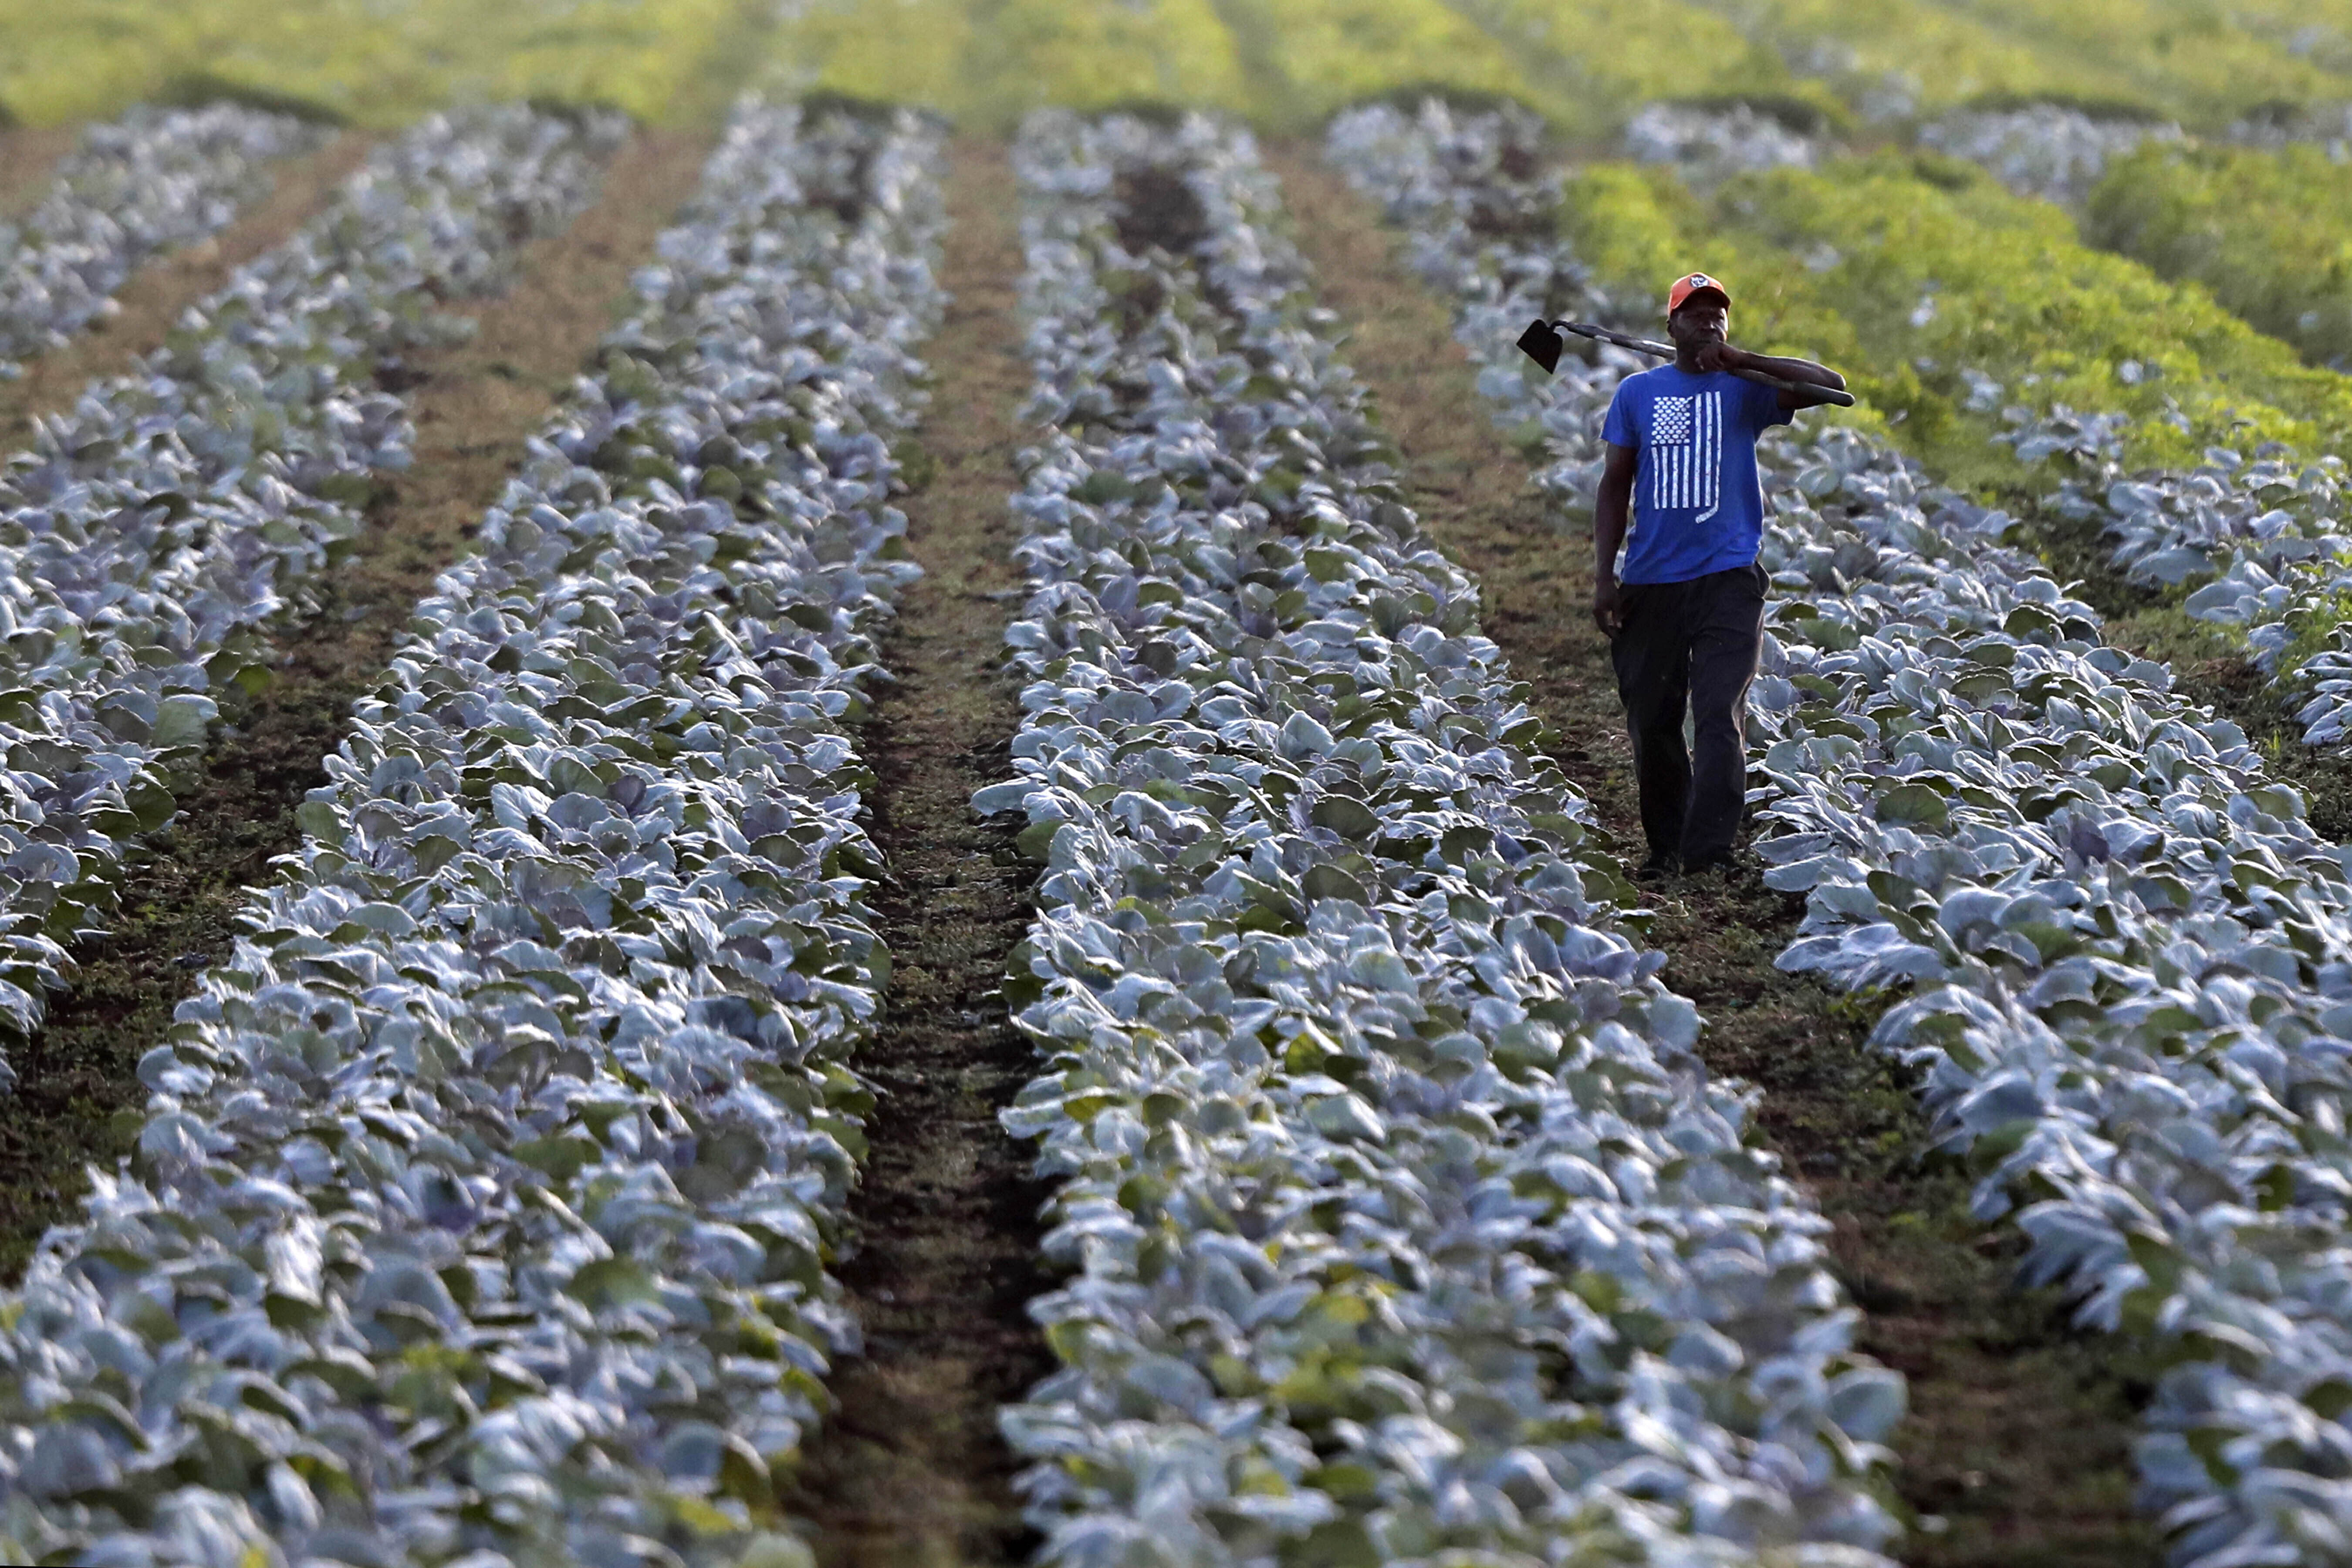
(2130, 960)
(135, 186)
(156, 530)
(484, 1200)
(1399, 1215)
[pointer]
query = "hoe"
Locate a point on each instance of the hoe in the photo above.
(1541, 342)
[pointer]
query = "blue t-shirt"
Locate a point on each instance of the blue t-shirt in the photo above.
(1697, 505)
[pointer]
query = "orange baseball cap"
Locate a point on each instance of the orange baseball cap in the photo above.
(1694, 283)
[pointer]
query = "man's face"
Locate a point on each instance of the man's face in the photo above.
(1703, 319)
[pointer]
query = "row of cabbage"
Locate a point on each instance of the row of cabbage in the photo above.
(482, 1205)
(1399, 1214)
(157, 529)
(2130, 960)
(133, 187)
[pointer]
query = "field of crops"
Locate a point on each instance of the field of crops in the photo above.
(825, 782)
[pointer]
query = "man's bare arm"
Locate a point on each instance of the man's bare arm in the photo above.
(1805, 370)
(1610, 505)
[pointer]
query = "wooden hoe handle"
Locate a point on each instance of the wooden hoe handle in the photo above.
(1541, 342)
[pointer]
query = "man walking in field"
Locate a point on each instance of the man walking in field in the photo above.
(1686, 621)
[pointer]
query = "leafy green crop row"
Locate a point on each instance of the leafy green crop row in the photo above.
(2265, 231)
(2319, 30)
(1313, 56)
(1604, 59)
(987, 62)
(1936, 58)
(2187, 59)
(1917, 275)
(370, 62)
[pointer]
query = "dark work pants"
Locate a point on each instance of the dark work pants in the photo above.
(1691, 645)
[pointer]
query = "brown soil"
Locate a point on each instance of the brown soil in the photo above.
(474, 404)
(154, 297)
(911, 1472)
(30, 156)
(2018, 1438)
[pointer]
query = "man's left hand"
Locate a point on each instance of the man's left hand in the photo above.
(1720, 356)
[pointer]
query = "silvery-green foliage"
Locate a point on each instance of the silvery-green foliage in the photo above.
(2267, 531)
(1402, 1221)
(152, 180)
(2130, 959)
(153, 529)
(2042, 150)
(2327, 126)
(482, 1205)
(1710, 145)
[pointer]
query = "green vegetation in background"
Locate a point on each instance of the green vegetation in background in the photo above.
(2265, 231)
(1939, 59)
(2190, 60)
(1311, 57)
(884, 51)
(1589, 64)
(373, 63)
(63, 61)
(1091, 54)
(1907, 271)
(2187, 58)
(2317, 30)
(988, 62)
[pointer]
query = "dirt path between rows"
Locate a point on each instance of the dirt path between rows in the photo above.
(153, 298)
(474, 404)
(2019, 1429)
(910, 1471)
(30, 156)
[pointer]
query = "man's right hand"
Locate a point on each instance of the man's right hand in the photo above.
(1607, 606)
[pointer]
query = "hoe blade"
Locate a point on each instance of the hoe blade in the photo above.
(1542, 344)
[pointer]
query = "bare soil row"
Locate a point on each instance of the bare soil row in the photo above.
(28, 161)
(910, 1470)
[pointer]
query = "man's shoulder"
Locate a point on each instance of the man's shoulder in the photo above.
(1642, 385)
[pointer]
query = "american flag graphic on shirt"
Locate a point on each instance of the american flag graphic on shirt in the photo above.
(1686, 452)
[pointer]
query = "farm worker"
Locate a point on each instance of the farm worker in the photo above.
(1685, 619)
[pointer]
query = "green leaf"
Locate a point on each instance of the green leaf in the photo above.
(612, 1282)
(1911, 803)
(319, 819)
(151, 805)
(1351, 819)
(183, 719)
(559, 1156)
(1328, 882)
